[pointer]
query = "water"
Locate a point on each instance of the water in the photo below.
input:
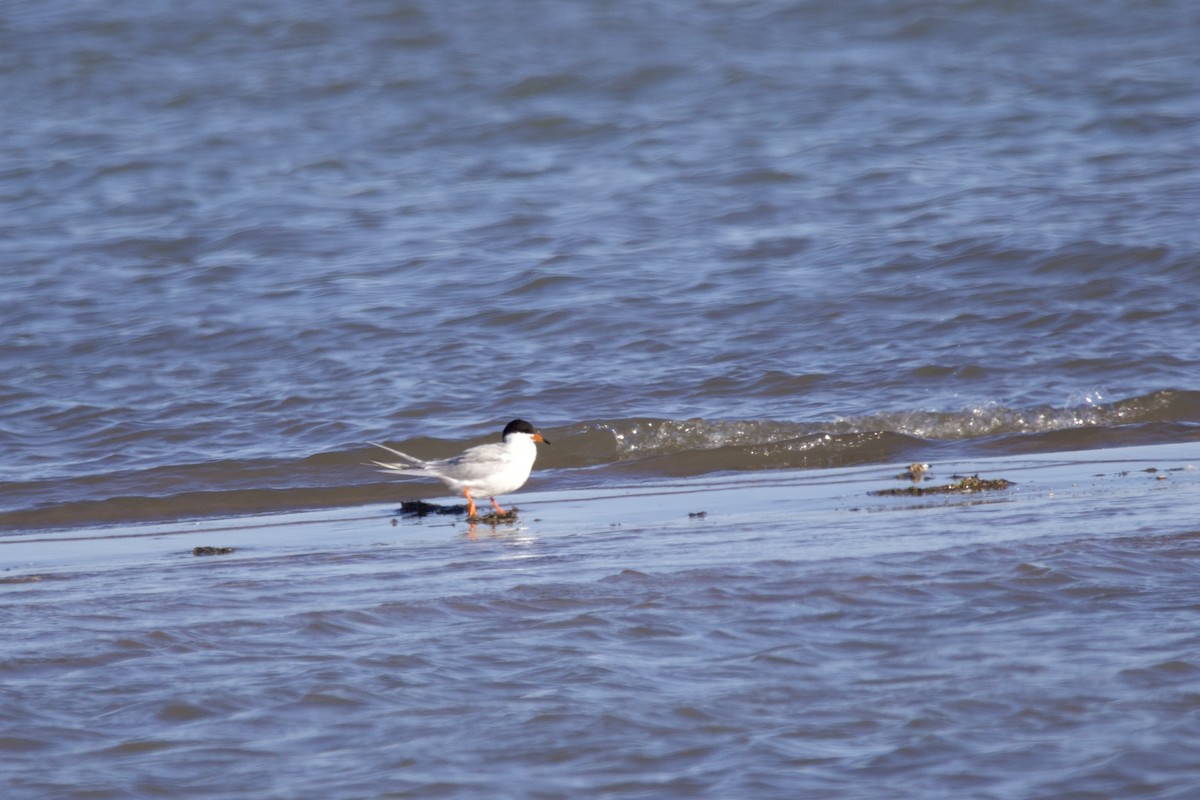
(685, 239)
(801, 639)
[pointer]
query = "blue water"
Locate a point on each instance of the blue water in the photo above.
(240, 241)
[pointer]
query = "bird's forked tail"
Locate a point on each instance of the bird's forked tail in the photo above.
(409, 464)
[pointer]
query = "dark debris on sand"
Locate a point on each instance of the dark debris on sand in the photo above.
(966, 485)
(419, 508)
(494, 518)
(211, 551)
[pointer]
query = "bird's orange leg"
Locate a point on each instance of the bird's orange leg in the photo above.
(496, 506)
(470, 503)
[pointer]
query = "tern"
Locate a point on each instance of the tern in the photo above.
(486, 470)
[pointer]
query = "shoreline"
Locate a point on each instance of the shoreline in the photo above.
(1047, 486)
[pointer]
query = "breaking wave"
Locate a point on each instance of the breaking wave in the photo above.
(642, 438)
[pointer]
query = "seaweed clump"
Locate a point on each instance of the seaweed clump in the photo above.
(495, 518)
(211, 551)
(966, 485)
(419, 508)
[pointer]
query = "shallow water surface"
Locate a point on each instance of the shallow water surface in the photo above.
(800, 638)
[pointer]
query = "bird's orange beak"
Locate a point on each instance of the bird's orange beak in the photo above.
(537, 437)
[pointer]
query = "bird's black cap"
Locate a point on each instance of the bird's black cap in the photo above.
(521, 426)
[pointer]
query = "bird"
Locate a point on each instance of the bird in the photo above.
(486, 470)
(915, 472)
